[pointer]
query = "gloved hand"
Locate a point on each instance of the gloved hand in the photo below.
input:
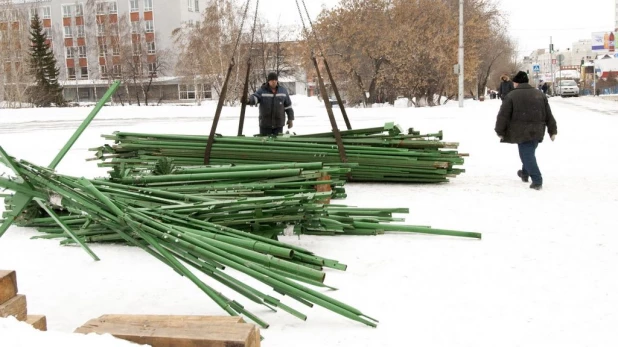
(290, 124)
(553, 137)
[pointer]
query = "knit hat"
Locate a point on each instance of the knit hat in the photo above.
(272, 76)
(521, 77)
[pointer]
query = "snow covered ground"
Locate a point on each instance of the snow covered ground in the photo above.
(543, 275)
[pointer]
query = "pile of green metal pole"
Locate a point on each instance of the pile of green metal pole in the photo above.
(380, 154)
(203, 232)
(227, 181)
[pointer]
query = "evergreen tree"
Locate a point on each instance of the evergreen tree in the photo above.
(43, 67)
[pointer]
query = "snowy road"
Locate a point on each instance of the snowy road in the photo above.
(543, 275)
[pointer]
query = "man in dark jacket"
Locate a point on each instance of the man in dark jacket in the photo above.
(274, 103)
(522, 119)
(505, 86)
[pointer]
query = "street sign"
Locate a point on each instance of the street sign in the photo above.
(615, 55)
(536, 68)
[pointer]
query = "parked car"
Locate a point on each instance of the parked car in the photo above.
(567, 88)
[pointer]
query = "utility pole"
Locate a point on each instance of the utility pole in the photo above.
(551, 66)
(461, 53)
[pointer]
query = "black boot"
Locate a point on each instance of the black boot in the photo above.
(524, 178)
(536, 186)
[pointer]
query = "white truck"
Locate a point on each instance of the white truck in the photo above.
(567, 88)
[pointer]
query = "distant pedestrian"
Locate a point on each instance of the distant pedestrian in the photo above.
(544, 88)
(505, 86)
(522, 119)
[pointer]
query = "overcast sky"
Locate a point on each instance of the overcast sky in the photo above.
(531, 22)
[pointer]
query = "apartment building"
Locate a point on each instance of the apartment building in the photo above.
(96, 41)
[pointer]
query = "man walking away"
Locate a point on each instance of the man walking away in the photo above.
(275, 104)
(522, 119)
(505, 86)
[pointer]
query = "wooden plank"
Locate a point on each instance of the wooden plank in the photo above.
(37, 322)
(16, 307)
(166, 320)
(8, 285)
(176, 331)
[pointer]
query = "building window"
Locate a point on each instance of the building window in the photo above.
(33, 11)
(79, 10)
(194, 91)
(147, 5)
(102, 50)
(135, 27)
(134, 5)
(136, 48)
(70, 73)
(152, 69)
(70, 53)
(151, 47)
(191, 5)
(68, 32)
(46, 12)
(149, 26)
(82, 51)
(84, 72)
(80, 31)
(100, 29)
(67, 11)
(197, 6)
(101, 8)
(116, 70)
(103, 70)
(116, 49)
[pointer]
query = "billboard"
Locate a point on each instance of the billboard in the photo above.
(604, 41)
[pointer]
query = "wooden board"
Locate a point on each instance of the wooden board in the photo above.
(165, 320)
(8, 285)
(37, 322)
(176, 331)
(16, 307)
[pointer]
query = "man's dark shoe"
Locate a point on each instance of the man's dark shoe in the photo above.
(536, 186)
(521, 175)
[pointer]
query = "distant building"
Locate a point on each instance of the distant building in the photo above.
(87, 38)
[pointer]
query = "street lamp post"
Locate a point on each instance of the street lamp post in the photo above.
(461, 53)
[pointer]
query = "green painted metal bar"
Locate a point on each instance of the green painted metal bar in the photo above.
(67, 229)
(112, 89)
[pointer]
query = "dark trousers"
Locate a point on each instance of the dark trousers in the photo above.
(527, 154)
(268, 131)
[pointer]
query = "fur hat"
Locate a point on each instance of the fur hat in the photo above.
(272, 76)
(521, 77)
(504, 77)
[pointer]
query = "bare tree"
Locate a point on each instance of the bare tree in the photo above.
(14, 54)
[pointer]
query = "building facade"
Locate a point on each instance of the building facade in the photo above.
(96, 41)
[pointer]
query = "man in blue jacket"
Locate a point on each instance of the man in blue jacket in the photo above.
(275, 104)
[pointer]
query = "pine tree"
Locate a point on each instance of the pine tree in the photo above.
(43, 67)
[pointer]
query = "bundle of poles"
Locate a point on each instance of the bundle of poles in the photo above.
(381, 154)
(198, 230)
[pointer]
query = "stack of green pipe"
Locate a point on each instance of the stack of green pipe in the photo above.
(228, 181)
(177, 233)
(380, 154)
(203, 232)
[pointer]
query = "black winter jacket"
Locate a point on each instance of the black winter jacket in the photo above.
(505, 88)
(524, 114)
(273, 107)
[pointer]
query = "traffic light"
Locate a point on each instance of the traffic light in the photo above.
(551, 48)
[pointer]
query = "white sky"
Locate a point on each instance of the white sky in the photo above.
(531, 22)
